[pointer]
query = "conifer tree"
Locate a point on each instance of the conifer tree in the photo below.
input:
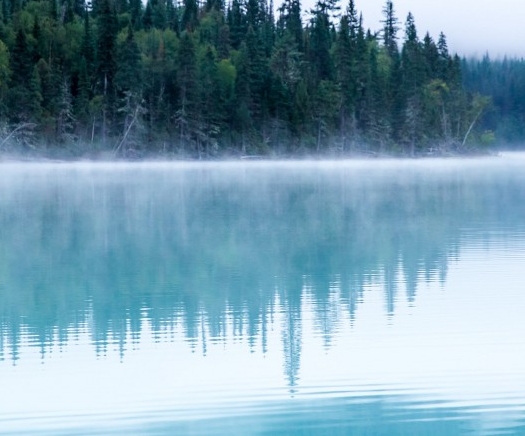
(199, 75)
(5, 73)
(210, 116)
(242, 118)
(128, 82)
(236, 21)
(390, 28)
(135, 9)
(290, 21)
(128, 74)
(412, 81)
(87, 50)
(345, 57)
(106, 64)
(83, 94)
(24, 93)
(190, 15)
(327, 101)
(320, 39)
(186, 117)
(147, 18)
(256, 73)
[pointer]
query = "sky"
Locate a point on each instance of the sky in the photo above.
(472, 27)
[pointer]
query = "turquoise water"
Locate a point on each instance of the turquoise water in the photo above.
(263, 298)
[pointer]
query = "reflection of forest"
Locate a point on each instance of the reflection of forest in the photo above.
(198, 245)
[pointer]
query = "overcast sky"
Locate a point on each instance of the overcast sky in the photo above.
(471, 26)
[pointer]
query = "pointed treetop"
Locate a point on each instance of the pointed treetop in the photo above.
(410, 29)
(390, 28)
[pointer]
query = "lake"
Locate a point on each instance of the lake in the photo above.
(380, 297)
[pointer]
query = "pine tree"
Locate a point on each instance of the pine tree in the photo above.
(24, 95)
(159, 14)
(390, 28)
(430, 58)
(413, 77)
(190, 15)
(128, 82)
(345, 56)
(5, 73)
(65, 113)
(243, 122)
(135, 9)
(172, 17)
(327, 101)
(38, 45)
(290, 21)
(236, 21)
(21, 59)
(83, 94)
(186, 118)
(362, 74)
(128, 74)
(256, 73)
(106, 64)
(147, 18)
(87, 50)
(378, 123)
(321, 41)
(287, 61)
(210, 116)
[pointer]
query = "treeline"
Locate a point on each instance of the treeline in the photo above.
(210, 78)
(504, 81)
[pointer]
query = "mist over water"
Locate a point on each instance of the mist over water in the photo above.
(306, 297)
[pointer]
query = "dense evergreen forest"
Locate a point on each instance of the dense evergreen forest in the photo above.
(205, 79)
(504, 81)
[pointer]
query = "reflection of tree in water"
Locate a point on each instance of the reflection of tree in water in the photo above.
(292, 333)
(213, 257)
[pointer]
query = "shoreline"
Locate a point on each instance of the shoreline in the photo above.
(53, 156)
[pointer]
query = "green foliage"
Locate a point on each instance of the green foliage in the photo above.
(201, 78)
(5, 71)
(504, 81)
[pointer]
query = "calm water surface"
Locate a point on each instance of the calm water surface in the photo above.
(375, 297)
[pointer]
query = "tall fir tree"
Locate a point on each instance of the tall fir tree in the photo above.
(390, 28)
(106, 64)
(186, 117)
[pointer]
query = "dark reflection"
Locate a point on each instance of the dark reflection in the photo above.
(215, 248)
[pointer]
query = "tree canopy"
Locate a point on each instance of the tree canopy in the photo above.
(211, 78)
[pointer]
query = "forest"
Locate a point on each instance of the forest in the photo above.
(194, 79)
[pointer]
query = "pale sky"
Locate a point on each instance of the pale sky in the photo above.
(472, 27)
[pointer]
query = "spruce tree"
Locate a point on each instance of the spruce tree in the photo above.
(413, 76)
(236, 21)
(106, 64)
(290, 21)
(24, 95)
(5, 73)
(321, 41)
(344, 53)
(210, 116)
(128, 76)
(390, 28)
(186, 117)
(83, 94)
(135, 9)
(147, 18)
(190, 15)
